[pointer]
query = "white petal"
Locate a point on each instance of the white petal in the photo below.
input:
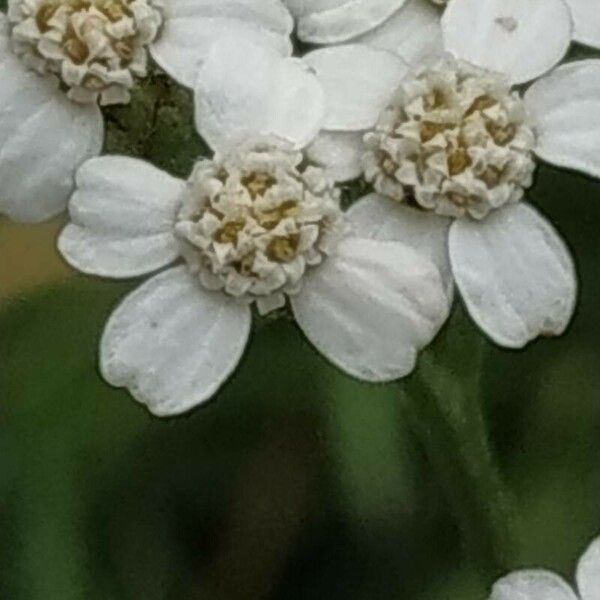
(358, 80)
(339, 20)
(515, 274)
(247, 90)
(564, 108)
(371, 306)
(588, 572)
(520, 38)
(44, 137)
(122, 215)
(379, 218)
(586, 17)
(413, 32)
(172, 343)
(339, 152)
(192, 26)
(532, 585)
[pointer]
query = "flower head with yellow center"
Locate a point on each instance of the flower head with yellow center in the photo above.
(253, 222)
(96, 47)
(454, 140)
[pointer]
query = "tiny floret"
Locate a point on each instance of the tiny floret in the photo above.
(254, 221)
(96, 47)
(454, 140)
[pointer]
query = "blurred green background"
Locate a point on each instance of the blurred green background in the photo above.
(296, 482)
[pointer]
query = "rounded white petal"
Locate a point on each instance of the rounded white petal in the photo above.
(44, 137)
(520, 38)
(339, 153)
(414, 32)
(192, 26)
(122, 213)
(172, 344)
(334, 21)
(586, 17)
(588, 572)
(564, 109)
(515, 275)
(247, 90)
(358, 81)
(532, 585)
(371, 306)
(379, 218)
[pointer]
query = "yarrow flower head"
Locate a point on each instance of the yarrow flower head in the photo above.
(454, 140)
(253, 222)
(96, 47)
(255, 225)
(450, 145)
(538, 584)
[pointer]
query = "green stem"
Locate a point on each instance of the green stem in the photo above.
(442, 403)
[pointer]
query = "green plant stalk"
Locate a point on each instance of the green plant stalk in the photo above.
(442, 403)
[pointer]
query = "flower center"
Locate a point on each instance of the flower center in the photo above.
(454, 140)
(96, 47)
(252, 223)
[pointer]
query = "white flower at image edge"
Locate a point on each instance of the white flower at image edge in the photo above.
(544, 585)
(392, 24)
(60, 59)
(255, 225)
(459, 142)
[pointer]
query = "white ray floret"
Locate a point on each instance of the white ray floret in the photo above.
(254, 225)
(539, 584)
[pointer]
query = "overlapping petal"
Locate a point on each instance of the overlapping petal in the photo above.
(246, 90)
(564, 108)
(521, 39)
(172, 344)
(334, 21)
(339, 153)
(515, 274)
(379, 218)
(122, 217)
(358, 81)
(371, 306)
(192, 26)
(44, 137)
(413, 32)
(586, 20)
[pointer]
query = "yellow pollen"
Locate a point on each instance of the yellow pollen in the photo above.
(124, 48)
(282, 249)
(502, 135)
(257, 183)
(76, 49)
(480, 104)
(458, 161)
(228, 233)
(269, 219)
(429, 130)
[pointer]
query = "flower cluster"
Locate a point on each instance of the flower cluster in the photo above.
(454, 139)
(96, 47)
(252, 223)
(427, 115)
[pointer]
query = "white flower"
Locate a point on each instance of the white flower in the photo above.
(457, 141)
(252, 225)
(545, 585)
(60, 58)
(409, 27)
(410, 24)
